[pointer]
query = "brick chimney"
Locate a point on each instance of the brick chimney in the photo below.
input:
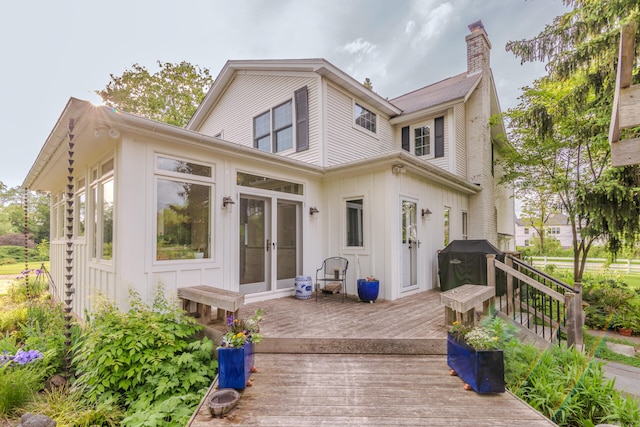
(478, 47)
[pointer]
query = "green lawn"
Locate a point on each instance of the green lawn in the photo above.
(16, 269)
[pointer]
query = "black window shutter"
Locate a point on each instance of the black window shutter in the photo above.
(439, 137)
(406, 145)
(302, 119)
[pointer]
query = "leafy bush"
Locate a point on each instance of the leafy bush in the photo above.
(71, 409)
(143, 357)
(567, 386)
(19, 382)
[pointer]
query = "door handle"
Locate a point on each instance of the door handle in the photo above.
(266, 248)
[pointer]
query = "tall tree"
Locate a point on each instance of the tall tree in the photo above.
(170, 95)
(538, 206)
(560, 128)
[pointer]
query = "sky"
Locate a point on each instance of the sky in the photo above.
(54, 50)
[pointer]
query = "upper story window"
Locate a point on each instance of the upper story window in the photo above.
(425, 139)
(554, 230)
(273, 130)
(365, 118)
(526, 230)
(422, 140)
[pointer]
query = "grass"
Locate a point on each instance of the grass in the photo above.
(16, 269)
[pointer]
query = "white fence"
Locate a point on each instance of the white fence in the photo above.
(626, 266)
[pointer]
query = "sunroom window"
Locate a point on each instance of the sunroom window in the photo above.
(184, 192)
(103, 208)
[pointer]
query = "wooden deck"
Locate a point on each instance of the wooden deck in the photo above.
(360, 364)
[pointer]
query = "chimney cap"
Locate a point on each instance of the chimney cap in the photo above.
(478, 25)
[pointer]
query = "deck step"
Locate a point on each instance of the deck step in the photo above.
(417, 346)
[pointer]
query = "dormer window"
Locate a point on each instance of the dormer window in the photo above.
(365, 118)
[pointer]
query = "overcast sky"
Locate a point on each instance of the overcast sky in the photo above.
(53, 50)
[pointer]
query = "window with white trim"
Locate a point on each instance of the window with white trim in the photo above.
(103, 204)
(273, 129)
(365, 118)
(446, 225)
(81, 207)
(465, 225)
(422, 139)
(355, 228)
(184, 192)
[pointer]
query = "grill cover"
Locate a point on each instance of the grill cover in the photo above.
(465, 262)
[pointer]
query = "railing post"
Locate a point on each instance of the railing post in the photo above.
(570, 324)
(491, 270)
(578, 314)
(509, 262)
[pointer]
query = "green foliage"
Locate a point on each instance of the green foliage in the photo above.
(15, 255)
(71, 409)
(567, 386)
(560, 129)
(608, 298)
(143, 357)
(170, 95)
(18, 383)
(12, 212)
(10, 319)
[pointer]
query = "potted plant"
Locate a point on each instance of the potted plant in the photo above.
(473, 355)
(235, 355)
(626, 321)
(368, 289)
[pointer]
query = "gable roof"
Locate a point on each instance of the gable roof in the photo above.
(319, 66)
(451, 89)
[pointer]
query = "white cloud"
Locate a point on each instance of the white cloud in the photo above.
(431, 21)
(360, 47)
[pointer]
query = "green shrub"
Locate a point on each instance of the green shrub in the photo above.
(567, 386)
(71, 409)
(145, 356)
(11, 319)
(19, 383)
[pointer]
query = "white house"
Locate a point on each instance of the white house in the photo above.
(556, 227)
(285, 163)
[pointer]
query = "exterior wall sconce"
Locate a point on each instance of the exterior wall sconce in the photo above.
(227, 200)
(426, 213)
(313, 210)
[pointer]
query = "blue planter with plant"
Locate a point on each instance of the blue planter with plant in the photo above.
(368, 289)
(482, 370)
(234, 366)
(236, 355)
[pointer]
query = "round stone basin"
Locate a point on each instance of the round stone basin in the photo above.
(222, 401)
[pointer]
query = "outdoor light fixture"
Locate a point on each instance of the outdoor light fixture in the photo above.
(313, 210)
(426, 213)
(227, 200)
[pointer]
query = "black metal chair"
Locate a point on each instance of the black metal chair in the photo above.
(333, 270)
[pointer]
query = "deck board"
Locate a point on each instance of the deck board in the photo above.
(309, 386)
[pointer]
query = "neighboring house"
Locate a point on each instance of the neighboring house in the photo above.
(285, 163)
(557, 227)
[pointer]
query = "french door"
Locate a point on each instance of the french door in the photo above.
(410, 245)
(270, 243)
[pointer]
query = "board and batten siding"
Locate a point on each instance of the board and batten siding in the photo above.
(252, 94)
(347, 143)
(443, 162)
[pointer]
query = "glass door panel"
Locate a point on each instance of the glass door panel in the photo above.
(255, 245)
(287, 253)
(410, 244)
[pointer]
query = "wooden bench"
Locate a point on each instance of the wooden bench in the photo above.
(460, 303)
(205, 297)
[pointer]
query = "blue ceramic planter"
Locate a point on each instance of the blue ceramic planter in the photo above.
(483, 370)
(234, 366)
(368, 289)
